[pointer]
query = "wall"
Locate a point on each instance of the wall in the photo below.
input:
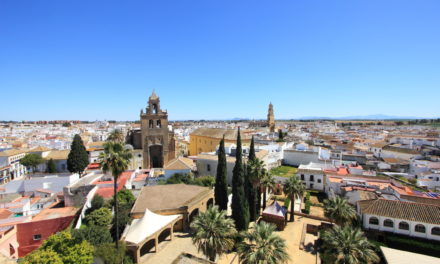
(296, 158)
(46, 228)
(202, 168)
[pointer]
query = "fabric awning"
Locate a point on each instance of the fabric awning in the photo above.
(275, 209)
(146, 226)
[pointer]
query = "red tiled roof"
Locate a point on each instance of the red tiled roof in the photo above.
(5, 213)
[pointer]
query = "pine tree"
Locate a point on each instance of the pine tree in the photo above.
(50, 166)
(221, 185)
(240, 207)
(251, 193)
(78, 158)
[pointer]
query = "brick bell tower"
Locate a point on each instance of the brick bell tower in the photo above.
(158, 142)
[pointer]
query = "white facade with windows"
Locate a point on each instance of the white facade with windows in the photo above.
(401, 226)
(312, 176)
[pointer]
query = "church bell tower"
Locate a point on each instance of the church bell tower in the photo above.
(157, 142)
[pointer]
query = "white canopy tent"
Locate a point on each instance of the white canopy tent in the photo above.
(148, 225)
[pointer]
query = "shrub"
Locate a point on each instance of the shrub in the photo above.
(207, 181)
(287, 202)
(110, 255)
(100, 217)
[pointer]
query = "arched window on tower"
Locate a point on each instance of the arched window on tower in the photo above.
(151, 124)
(158, 124)
(155, 110)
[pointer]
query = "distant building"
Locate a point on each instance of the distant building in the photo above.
(207, 139)
(271, 118)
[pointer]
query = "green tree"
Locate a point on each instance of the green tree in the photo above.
(292, 188)
(68, 250)
(256, 174)
(95, 235)
(78, 158)
(178, 178)
(111, 255)
(214, 233)
(32, 160)
(97, 202)
(50, 166)
(262, 245)
(125, 198)
(268, 184)
(42, 257)
(339, 210)
(240, 207)
(99, 217)
(206, 181)
(280, 135)
(115, 159)
(251, 193)
(116, 136)
(221, 184)
(347, 245)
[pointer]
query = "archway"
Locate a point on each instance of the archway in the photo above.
(193, 214)
(148, 247)
(156, 156)
(210, 203)
(165, 235)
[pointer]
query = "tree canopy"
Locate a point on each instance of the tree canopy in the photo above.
(78, 158)
(50, 166)
(99, 217)
(32, 160)
(221, 184)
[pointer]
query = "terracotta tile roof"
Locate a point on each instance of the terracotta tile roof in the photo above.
(5, 213)
(417, 212)
(230, 134)
(40, 149)
(180, 163)
(12, 152)
(58, 154)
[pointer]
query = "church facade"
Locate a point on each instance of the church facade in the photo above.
(154, 138)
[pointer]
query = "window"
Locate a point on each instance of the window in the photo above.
(37, 237)
(158, 124)
(312, 178)
(373, 221)
(435, 231)
(311, 185)
(319, 180)
(404, 226)
(388, 223)
(208, 167)
(420, 228)
(139, 155)
(150, 124)
(302, 177)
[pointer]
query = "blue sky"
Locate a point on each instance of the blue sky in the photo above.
(215, 59)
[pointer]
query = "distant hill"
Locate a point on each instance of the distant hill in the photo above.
(366, 117)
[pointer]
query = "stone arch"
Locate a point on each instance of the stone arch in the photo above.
(166, 233)
(209, 203)
(403, 225)
(148, 247)
(193, 214)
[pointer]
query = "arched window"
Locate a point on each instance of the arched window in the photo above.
(435, 231)
(420, 228)
(388, 223)
(155, 108)
(312, 178)
(404, 226)
(374, 221)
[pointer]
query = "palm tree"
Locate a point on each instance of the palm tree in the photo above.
(256, 174)
(268, 184)
(116, 136)
(115, 159)
(293, 188)
(214, 232)
(262, 245)
(347, 245)
(339, 210)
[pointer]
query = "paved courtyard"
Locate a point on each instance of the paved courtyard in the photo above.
(169, 250)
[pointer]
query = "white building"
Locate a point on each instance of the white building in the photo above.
(404, 218)
(312, 175)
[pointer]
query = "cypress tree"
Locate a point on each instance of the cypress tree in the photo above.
(78, 158)
(250, 190)
(51, 168)
(221, 185)
(240, 207)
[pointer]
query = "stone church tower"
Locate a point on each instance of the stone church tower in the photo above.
(271, 119)
(157, 142)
